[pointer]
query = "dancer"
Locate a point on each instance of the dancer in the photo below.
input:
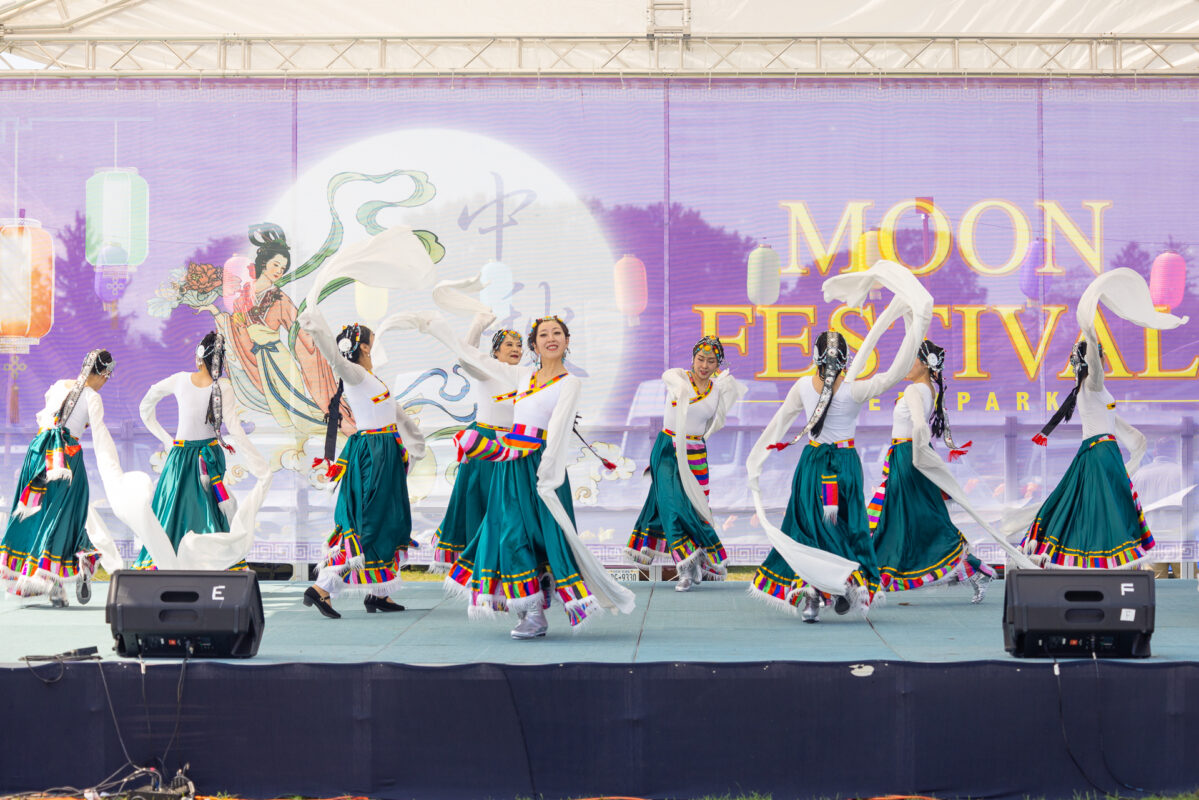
(527, 548)
(373, 521)
(824, 545)
(676, 515)
(472, 482)
(191, 496)
(1093, 519)
(54, 537)
(915, 541)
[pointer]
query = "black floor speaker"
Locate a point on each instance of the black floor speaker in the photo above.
(1075, 613)
(177, 613)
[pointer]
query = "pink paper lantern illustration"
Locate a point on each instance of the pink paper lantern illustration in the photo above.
(1168, 279)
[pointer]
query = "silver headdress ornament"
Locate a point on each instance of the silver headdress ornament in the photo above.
(831, 362)
(933, 357)
(89, 366)
(215, 410)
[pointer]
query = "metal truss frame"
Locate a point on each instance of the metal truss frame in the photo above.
(53, 53)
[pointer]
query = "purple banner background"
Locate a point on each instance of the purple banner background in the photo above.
(558, 179)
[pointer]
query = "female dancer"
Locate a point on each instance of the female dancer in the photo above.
(527, 546)
(493, 400)
(824, 544)
(676, 515)
(54, 537)
(915, 541)
(373, 521)
(191, 495)
(1093, 518)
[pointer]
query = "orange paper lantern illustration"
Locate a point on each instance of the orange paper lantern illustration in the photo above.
(26, 284)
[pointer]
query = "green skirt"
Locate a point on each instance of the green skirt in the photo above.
(189, 494)
(915, 541)
(1093, 518)
(373, 522)
(517, 543)
(468, 504)
(825, 473)
(668, 521)
(45, 541)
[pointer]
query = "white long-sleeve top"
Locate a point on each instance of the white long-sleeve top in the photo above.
(901, 417)
(193, 407)
(79, 418)
(700, 406)
(493, 398)
(367, 395)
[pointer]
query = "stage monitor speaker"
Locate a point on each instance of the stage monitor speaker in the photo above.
(170, 614)
(1076, 613)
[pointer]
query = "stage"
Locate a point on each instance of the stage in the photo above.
(704, 693)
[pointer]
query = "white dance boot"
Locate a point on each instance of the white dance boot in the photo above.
(978, 582)
(532, 625)
(811, 605)
(689, 575)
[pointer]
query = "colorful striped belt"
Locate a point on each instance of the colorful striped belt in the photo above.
(901, 441)
(485, 426)
(691, 438)
(524, 437)
(843, 444)
(183, 442)
(385, 429)
(1107, 437)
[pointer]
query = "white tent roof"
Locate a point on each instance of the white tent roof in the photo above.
(753, 37)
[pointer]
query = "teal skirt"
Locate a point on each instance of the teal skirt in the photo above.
(45, 541)
(1093, 518)
(668, 521)
(373, 522)
(915, 541)
(826, 474)
(468, 504)
(189, 493)
(517, 544)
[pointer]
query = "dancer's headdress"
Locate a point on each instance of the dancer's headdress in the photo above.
(213, 356)
(709, 344)
(1078, 362)
(98, 362)
(498, 339)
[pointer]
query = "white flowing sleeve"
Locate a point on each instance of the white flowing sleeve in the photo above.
(149, 409)
(930, 465)
(774, 432)
(1133, 440)
(1126, 294)
(313, 321)
(128, 494)
(912, 302)
(479, 365)
(679, 391)
(231, 411)
(410, 433)
(729, 392)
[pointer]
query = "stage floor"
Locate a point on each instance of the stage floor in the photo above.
(716, 623)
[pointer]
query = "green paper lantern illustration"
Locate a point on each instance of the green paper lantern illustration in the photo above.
(117, 216)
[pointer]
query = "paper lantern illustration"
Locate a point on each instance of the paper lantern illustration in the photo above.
(1168, 279)
(1030, 278)
(369, 302)
(498, 289)
(762, 276)
(632, 292)
(117, 215)
(237, 272)
(110, 284)
(26, 284)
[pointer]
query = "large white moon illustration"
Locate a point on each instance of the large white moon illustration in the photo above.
(558, 256)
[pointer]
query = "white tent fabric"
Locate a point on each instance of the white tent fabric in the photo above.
(597, 17)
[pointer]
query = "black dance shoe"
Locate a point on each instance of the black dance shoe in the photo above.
(841, 605)
(313, 598)
(374, 604)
